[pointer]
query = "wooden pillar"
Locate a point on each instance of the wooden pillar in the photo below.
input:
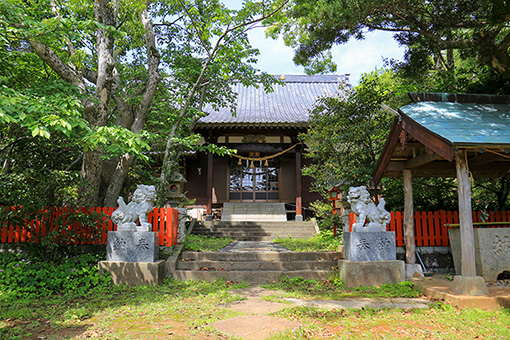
(467, 240)
(209, 183)
(409, 218)
(298, 187)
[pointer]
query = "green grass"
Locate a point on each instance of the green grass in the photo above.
(335, 289)
(323, 242)
(439, 322)
(203, 243)
(190, 306)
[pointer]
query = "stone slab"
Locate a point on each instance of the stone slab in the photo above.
(371, 273)
(370, 246)
(492, 251)
(134, 273)
(132, 246)
(414, 270)
(469, 285)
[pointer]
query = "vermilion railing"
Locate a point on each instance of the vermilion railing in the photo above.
(430, 227)
(165, 222)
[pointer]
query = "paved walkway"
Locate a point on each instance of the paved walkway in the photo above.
(256, 324)
(254, 247)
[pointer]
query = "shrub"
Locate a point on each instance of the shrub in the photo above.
(50, 231)
(23, 277)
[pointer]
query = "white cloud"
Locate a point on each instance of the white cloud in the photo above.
(355, 57)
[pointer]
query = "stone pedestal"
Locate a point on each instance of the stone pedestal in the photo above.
(469, 285)
(371, 273)
(413, 270)
(132, 246)
(370, 246)
(134, 273)
(492, 251)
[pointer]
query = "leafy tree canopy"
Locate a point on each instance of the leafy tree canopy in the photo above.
(426, 28)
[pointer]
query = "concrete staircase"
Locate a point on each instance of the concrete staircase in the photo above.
(255, 231)
(245, 212)
(256, 267)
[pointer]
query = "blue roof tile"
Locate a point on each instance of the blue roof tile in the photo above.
(463, 123)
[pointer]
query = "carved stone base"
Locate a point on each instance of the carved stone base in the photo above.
(132, 246)
(469, 285)
(134, 274)
(371, 273)
(370, 246)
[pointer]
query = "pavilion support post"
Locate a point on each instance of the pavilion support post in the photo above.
(412, 269)
(299, 213)
(468, 283)
(409, 218)
(208, 212)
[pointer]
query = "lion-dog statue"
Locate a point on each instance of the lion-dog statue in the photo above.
(369, 216)
(140, 206)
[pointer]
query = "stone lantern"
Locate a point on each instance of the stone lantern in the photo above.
(175, 189)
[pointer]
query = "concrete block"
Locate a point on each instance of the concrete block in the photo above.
(370, 246)
(492, 251)
(371, 273)
(414, 270)
(132, 246)
(134, 273)
(469, 285)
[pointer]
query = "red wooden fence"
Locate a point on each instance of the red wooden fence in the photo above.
(430, 228)
(164, 221)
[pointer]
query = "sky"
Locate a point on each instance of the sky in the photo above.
(354, 58)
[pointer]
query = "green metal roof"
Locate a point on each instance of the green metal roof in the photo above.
(463, 123)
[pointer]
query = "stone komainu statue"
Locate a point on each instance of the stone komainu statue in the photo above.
(139, 207)
(369, 216)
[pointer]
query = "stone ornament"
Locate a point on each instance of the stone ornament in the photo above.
(369, 217)
(138, 209)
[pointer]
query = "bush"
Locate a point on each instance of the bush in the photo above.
(50, 231)
(23, 277)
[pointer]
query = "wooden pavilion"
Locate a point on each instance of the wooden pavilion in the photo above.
(449, 135)
(264, 131)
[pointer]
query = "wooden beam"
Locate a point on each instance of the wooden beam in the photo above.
(421, 160)
(467, 241)
(384, 159)
(438, 144)
(298, 184)
(209, 183)
(409, 218)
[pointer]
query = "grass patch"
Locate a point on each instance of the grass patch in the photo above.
(336, 289)
(325, 241)
(203, 243)
(439, 322)
(119, 312)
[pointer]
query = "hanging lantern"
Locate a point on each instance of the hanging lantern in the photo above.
(240, 162)
(252, 165)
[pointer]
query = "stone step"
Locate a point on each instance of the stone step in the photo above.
(254, 212)
(260, 224)
(261, 256)
(258, 265)
(253, 276)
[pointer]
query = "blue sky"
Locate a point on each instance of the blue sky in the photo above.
(354, 57)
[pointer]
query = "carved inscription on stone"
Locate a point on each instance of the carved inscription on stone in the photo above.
(383, 244)
(119, 244)
(362, 244)
(501, 245)
(142, 244)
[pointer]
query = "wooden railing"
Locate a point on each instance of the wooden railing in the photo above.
(430, 228)
(164, 221)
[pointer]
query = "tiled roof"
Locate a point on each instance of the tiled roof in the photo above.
(463, 123)
(286, 106)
